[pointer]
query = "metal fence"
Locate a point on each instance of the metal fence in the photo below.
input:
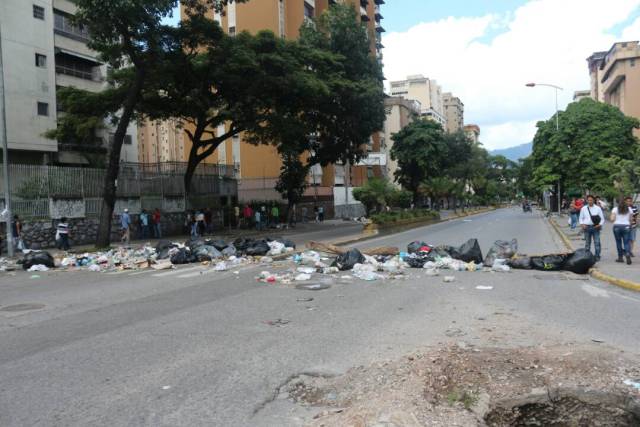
(155, 185)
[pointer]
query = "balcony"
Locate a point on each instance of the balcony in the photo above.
(374, 159)
(364, 3)
(378, 2)
(363, 14)
(379, 28)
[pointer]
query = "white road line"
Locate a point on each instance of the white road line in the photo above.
(176, 271)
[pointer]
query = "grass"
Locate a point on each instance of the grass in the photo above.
(393, 217)
(467, 398)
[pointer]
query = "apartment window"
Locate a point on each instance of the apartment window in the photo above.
(633, 63)
(63, 25)
(41, 60)
(43, 109)
(38, 12)
(232, 31)
(308, 11)
(370, 172)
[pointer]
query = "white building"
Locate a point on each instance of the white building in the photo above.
(42, 52)
(400, 112)
(424, 90)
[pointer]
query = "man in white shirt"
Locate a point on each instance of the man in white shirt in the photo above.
(591, 221)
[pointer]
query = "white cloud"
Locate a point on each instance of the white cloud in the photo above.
(487, 60)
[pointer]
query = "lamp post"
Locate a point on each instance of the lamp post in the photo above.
(556, 88)
(5, 156)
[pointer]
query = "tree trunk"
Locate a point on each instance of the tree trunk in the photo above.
(103, 239)
(192, 163)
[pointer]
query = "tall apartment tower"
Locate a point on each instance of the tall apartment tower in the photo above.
(285, 17)
(424, 90)
(615, 77)
(43, 51)
(453, 112)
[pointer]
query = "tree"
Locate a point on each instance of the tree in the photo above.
(127, 34)
(592, 137)
(421, 152)
(374, 195)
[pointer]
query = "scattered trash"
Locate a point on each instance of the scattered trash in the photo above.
(38, 267)
(449, 279)
(484, 288)
(221, 266)
(313, 286)
(302, 277)
(432, 272)
(520, 262)
(549, 262)
(501, 249)
(32, 258)
(276, 248)
(500, 265)
(162, 265)
(309, 258)
(349, 259)
(470, 251)
(306, 270)
(634, 384)
(35, 276)
(277, 322)
(94, 267)
(166, 387)
(304, 299)
(580, 262)
(419, 247)
(266, 260)
(597, 340)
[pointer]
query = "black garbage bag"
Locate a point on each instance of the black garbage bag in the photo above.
(258, 248)
(548, 262)
(501, 249)
(287, 243)
(207, 253)
(191, 258)
(414, 247)
(446, 251)
(229, 251)
(580, 262)
(195, 243)
(520, 263)
(217, 243)
(416, 261)
(241, 244)
(347, 260)
(163, 253)
(181, 256)
(164, 244)
(37, 258)
(470, 251)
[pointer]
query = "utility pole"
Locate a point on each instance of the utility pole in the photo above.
(5, 156)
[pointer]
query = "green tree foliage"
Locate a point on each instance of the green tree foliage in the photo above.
(595, 140)
(374, 195)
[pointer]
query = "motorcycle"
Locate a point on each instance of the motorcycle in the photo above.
(526, 208)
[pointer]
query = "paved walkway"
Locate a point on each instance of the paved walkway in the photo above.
(609, 254)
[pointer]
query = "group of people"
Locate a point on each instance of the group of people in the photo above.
(591, 217)
(148, 225)
(263, 217)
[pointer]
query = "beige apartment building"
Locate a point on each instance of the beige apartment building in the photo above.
(581, 94)
(473, 133)
(615, 77)
(399, 113)
(424, 90)
(453, 112)
(160, 141)
(44, 51)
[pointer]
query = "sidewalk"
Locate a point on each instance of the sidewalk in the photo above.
(607, 263)
(333, 226)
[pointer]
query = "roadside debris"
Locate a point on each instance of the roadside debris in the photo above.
(278, 322)
(484, 288)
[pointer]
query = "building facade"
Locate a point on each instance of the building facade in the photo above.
(160, 141)
(473, 133)
(424, 90)
(399, 113)
(42, 52)
(453, 112)
(615, 77)
(581, 94)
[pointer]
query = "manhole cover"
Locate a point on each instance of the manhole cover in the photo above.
(313, 286)
(22, 307)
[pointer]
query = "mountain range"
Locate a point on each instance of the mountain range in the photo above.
(514, 153)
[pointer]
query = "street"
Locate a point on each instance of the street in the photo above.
(190, 346)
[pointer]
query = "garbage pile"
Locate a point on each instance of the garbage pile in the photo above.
(164, 255)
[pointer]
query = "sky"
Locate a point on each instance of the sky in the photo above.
(485, 51)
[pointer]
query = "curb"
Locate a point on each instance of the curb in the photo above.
(373, 233)
(594, 272)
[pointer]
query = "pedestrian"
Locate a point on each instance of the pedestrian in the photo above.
(247, 214)
(155, 220)
(621, 216)
(321, 213)
(591, 221)
(258, 220)
(144, 224)
(201, 224)
(304, 214)
(275, 215)
(193, 225)
(125, 227)
(573, 213)
(16, 232)
(634, 224)
(208, 221)
(603, 204)
(62, 234)
(264, 217)
(316, 213)
(236, 214)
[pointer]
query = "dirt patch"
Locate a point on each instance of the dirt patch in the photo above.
(460, 385)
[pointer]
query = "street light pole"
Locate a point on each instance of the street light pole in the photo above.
(556, 88)
(5, 156)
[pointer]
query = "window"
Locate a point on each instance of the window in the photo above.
(38, 12)
(308, 11)
(232, 31)
(62, 25)
(43, 109)
(127, 140)
(633, 63)
(41, 60)
(370, 173)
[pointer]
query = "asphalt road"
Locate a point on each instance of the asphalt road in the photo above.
(191, 347)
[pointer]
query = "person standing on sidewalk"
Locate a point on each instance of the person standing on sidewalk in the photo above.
(236, 214)
(621, 216)
(62, 234)
(155, 219)
(591, 221)
(125, 227)
(275, 215)
(634, 224)
(574, 212)
(247, 213)
(258, 220)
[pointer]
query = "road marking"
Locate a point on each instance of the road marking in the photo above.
(176, 271)
(595, 292)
